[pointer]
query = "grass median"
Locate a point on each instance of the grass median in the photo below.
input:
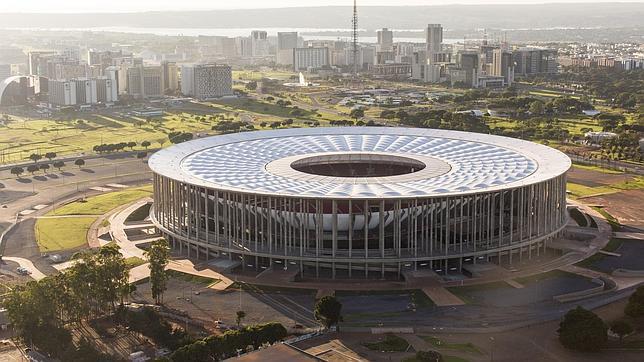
(66, 228)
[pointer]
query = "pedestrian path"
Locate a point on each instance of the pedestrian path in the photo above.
(27, 264)
(441, 296)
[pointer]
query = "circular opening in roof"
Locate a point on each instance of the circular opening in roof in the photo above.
(357, 165)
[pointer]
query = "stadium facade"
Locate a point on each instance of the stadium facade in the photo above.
(359, 202)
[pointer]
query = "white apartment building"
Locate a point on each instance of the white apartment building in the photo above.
(310, 58)
(204, 81)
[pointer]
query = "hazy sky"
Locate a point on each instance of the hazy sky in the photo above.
(143, 5)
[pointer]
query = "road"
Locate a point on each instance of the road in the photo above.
(39, 193)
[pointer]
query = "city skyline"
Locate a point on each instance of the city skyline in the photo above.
(80, 6)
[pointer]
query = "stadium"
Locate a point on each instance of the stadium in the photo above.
(359, 202)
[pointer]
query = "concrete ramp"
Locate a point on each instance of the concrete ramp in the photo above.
(441, 296)
(279, 275)
(222, 265)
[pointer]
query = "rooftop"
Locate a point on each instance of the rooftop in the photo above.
(360, 162)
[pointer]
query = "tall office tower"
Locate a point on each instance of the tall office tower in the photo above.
(385, 40)
(71, 53)
(259, 43)
(5, 71)
(67, 70)
(310, 58)
(535, 61)
(170, 76)
(433, 40)
(103, 59)
(469, 62)
(244, 46)
(106, 90)
(144, 81)
(62, 92)
(204, 81)
(503, 65)
(35, 63)
(112, 73)
(85, 90)
(286, 42)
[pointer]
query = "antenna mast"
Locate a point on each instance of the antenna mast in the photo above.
(354, 23)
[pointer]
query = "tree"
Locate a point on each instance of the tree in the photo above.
(33, 168)
(59, 164)
(239, 316)
(79, 162)
(179, 137)
(17, 171)
(536, 108)
(50, 155)
(44, 167)
(357, 113)
(583, 330)
(635, 306)
(158, 255)
(428, 356)
(621, 328)
(35, 157)
(328, 311)
(141, 155)
(131, 145)
(145, 144)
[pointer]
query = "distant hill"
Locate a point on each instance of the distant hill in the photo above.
(606, 15)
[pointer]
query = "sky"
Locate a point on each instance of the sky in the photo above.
(65, 6)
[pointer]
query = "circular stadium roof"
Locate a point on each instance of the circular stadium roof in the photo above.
(455, 162)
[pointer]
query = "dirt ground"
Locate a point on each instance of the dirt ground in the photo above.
(594, 178)
(626, 206)
(211, 305)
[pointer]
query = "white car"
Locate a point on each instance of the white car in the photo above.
(23, 271)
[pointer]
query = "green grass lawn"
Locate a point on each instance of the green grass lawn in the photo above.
(445, 359)
(21, 137)
(612, 246)
(461, 347)
(192, 278)
(597, 169)
(63, 233)
(133, 262)
(140, 214)
(58, 234)
(101, 204)
(464, 293)
(391, 343)
(543, 276)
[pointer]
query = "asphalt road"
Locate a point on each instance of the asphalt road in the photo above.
(53, 188)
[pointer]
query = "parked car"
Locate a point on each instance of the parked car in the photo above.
(23, 271)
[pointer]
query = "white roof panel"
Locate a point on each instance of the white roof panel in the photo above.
(457, 162)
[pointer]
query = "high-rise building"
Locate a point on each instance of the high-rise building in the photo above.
(170, 76)
(433, 39)
(36, 65)
(106, 90)
(286, 42)
(62, 92)
(5, 71)
(469, 63)
(310, 58)
(503, 65)
(85, 91)
(531, 61)
(259, 43)
(385, 40)
(204, 81)
(144, 81)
